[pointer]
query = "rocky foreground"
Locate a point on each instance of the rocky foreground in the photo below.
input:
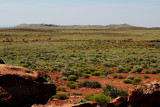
(146, 95)
(22, 87)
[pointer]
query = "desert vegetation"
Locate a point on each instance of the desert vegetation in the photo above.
(105, 62)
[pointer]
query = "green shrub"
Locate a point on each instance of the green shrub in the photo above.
(94, 60)
(61, 88)
(130, 77)
(152, 72)
(154, 65)
(88, 72)
(146, 76)
(92, 84)
(54, 68)
(113, 92)
(91, 69)
(137, 81)
(61, 96)
(76, 93)
(147, 72)
(45, 71)
(137, 69)
(72, 86)
(125, 71)
(66, 72)
(86, 76)
(128, 69)
(70, 82)
(158, 70)
(81, 84)
(115, 64)
(144, 66)
(120, 69)
(103, 76)
(72, 78)
(56, 77)
(153, 60)
(110, 71)
(127, 81)
(120, 77)
(86, 69)
(80, 101)
(89, 96)
(64, 78)
(107, 64)
(115, 76)
(101, 99)
(96, 73)
(103, 70)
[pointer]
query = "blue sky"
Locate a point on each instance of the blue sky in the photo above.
(144, 13)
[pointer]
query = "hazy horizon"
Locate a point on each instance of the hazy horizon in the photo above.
(144, 13)
(3, 26)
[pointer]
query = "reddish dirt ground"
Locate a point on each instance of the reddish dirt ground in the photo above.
(116, 82)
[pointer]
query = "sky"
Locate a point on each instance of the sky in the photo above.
(143, 13)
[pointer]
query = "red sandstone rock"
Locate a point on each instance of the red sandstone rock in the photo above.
(118, 102)
(145, 95)
(87, 104)
(22, 87)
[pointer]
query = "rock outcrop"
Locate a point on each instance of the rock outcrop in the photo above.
(87, 104)
(118, 102)
(146, 95)
(22, 87)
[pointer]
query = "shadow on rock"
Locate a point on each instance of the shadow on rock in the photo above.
(21, 87)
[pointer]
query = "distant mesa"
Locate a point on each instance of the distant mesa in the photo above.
(36, 25)
(111, 26)
(120, 26)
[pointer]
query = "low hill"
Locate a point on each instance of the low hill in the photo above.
(111, 26)
(36, 25)
(120, 26)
